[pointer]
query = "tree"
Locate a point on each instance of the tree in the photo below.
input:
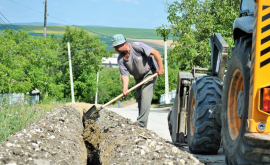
(86, 53)
(27, 63)
(191, 24)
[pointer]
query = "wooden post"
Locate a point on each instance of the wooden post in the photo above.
(45, 19)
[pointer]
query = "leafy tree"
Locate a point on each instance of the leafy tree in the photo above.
(191, 24)
(27, 63)
(86, 53)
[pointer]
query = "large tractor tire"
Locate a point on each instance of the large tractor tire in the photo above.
(235, 104)
(203, 120)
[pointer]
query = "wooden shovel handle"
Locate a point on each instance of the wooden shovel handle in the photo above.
(131, 89)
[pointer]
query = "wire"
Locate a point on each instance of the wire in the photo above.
(43, 13)
(8, 21)
(6, 26)
(27, 7)
(4, 22)
(3, 26)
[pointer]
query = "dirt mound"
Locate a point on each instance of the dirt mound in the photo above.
(55, 139)
(126, 144)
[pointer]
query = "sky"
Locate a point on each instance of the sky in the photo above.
(146, 14)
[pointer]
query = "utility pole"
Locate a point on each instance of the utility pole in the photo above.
(71, 76)
(45, 19)
(165, 32)
(96, 98)
(167, 101)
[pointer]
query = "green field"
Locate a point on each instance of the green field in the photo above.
(127, 32)
(104, 33)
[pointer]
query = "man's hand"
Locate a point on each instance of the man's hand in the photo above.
(160, 71)
(124, 91)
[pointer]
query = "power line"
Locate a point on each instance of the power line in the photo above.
(3, 25)
(8, 21)
(43, 13)
(3, 22)
(26, 6)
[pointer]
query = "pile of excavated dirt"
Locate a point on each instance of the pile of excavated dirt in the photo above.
(120, 143)
(54, 139)
(61, 138)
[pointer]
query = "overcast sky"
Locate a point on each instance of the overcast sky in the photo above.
(113, 13)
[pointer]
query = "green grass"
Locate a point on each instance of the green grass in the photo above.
(15, 117)
(51, 29)
(127, 32)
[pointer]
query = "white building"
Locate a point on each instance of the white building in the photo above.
(110, 61)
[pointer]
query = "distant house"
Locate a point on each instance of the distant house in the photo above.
(110, 62)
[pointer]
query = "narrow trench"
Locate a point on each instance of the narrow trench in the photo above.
(92, 138)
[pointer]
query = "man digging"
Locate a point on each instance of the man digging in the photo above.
(137, 59)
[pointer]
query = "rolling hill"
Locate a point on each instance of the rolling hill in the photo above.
(147, 36)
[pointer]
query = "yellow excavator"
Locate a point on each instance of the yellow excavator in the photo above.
(228, 105)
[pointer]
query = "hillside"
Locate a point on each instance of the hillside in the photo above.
(147, 36)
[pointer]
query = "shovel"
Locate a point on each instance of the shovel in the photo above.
(92, 112)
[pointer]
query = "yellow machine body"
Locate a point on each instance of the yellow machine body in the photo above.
(258, 120)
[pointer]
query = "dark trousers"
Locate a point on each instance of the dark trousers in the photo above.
(144, 97)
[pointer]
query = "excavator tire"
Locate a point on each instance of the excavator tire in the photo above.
(203, 123)
(239, 149)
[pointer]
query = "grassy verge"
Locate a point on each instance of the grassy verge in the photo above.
(16, 116)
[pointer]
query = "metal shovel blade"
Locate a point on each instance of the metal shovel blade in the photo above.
(92, 113)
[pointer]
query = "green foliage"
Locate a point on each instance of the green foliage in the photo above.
(164, 31)
(29, 63)
(110, 85)
(86, 53)
(192, 23)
